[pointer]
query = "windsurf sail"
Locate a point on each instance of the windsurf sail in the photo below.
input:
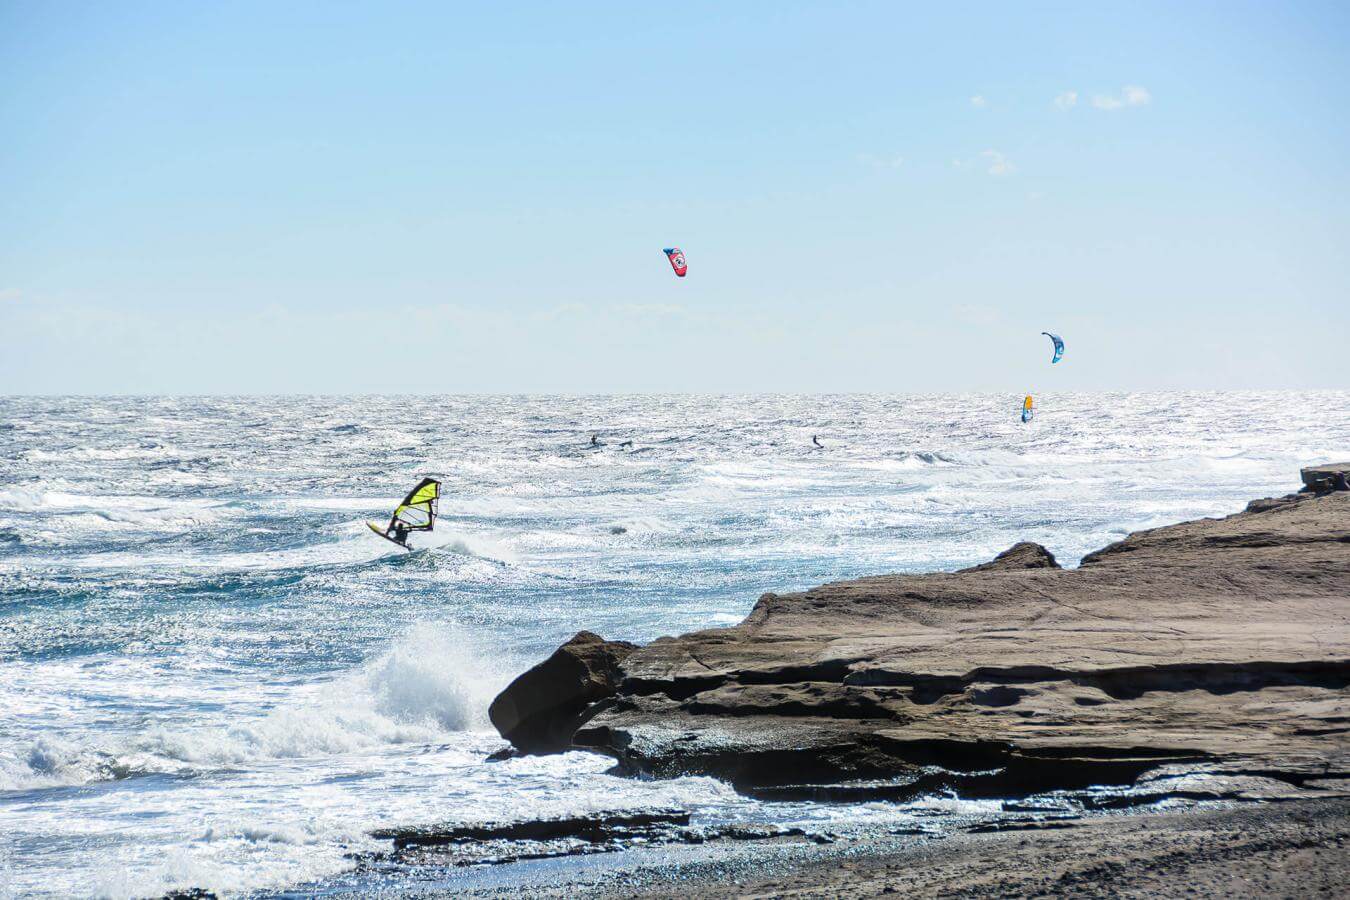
(677, 261)
(417, 512)
(1059, 346)
(1026, 409)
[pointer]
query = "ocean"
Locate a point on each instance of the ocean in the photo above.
(213, 675)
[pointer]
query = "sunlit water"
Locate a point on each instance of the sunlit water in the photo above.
(212, 674)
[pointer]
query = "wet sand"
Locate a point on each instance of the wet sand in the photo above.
(1294, 849)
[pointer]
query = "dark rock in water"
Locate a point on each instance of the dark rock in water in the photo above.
(595, 829)
(542, 708)
(605, 832)
(759, 832)
(1202, 644)
(1022, 555)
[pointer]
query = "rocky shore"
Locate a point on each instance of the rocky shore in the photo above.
(1195, 675)
(1212, 649)
(1287, 850)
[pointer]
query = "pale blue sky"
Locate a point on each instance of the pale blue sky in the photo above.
(425, 197)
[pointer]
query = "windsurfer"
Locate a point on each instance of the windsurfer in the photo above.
(417, 512)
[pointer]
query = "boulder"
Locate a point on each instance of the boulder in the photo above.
(1022, 555)
(543, 707)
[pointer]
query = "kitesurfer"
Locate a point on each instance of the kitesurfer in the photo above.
(815, 440)
(595, 441)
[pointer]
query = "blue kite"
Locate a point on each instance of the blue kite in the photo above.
(1059, 346)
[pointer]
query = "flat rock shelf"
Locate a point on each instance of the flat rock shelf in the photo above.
(1217, 648)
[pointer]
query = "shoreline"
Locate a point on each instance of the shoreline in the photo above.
(1298, 849)
(1295, 849)
(1206, 660)
(1167, 718)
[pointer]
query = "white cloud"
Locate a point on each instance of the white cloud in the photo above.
(998, 163)
(1137, 96)
(1130, 95)
(881, 162)
(1067, 100)
(978, 101)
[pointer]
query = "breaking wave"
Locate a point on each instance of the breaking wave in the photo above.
(430, 683)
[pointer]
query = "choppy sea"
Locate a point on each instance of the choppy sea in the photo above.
(213, 675)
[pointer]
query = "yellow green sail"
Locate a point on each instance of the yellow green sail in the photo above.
(417, 512)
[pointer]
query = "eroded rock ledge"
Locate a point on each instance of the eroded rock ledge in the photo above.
(543, 708)
(1219, 645)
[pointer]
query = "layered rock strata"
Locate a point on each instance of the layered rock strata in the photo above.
(1218, 645)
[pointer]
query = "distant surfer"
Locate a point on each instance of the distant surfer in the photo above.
(815, 440)
(595, 441)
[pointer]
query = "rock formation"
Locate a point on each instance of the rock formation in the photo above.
(1218, 645)
(1324, 479)
(541, 710)
(1022, 555)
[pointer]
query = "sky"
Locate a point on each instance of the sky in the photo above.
(334, 197)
